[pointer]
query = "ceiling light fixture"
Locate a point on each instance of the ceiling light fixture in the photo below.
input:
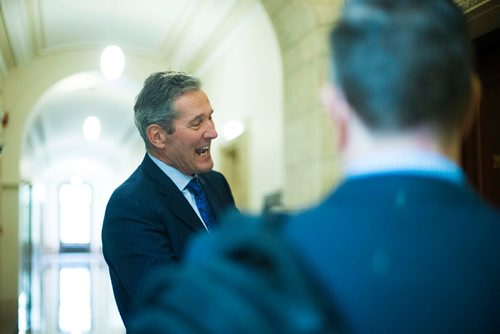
(91, 128)
(112, 62)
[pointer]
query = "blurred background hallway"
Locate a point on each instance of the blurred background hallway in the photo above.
(67, 137)
(70, 293)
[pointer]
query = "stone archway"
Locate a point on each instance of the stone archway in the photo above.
(302, 27)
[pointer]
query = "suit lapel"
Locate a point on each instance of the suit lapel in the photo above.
(172, 197)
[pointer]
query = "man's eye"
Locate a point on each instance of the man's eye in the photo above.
(195, 126)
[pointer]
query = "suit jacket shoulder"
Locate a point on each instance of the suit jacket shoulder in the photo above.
(394, 250)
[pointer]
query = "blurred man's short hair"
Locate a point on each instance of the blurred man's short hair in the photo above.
(405, 63)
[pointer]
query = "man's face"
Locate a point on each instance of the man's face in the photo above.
(188, 148)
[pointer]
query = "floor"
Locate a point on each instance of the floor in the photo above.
(70, 293)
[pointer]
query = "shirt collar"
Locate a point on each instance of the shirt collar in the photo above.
(414, 162)
(180, 179)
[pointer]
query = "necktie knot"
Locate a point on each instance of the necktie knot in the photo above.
(194, 187)
(201, 200)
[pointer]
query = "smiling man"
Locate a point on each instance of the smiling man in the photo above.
(172, 195)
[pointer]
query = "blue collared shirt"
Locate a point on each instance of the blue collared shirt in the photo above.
(181, 180)
(412, 162)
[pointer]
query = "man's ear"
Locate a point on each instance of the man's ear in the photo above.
(157, 135)
(474, 104)
(335, 104)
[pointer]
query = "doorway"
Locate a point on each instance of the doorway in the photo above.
(481, 148)
(234, 162)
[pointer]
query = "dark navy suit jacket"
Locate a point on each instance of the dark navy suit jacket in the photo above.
(148, 223)
(404, 254)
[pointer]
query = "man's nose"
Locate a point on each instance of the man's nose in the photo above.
(210, 132)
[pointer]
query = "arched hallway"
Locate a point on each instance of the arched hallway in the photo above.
(262, 63)
(51, 84)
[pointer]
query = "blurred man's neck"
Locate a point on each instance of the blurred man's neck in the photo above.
(365, 143)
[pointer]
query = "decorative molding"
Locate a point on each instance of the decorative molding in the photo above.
(467, 5)
(10, 186)
(223, 35)
(3, 66)
(17, 26)
(175, 37)
(483, 17)
(6, 57)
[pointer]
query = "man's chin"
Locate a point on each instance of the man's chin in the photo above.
(205, 168)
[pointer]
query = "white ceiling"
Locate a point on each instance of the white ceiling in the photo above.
(173, 30)
(182, 34)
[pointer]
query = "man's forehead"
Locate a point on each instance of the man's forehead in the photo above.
(193, 104)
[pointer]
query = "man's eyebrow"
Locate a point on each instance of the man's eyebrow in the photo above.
(197, 119)
(200, 117)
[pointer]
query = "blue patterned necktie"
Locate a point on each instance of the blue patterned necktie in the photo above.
(200, 197)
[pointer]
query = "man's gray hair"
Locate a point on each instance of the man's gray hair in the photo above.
(155, 102)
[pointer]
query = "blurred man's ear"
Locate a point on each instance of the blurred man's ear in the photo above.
(336, 106)
(327, 98)
(156, 135)
(473, 105)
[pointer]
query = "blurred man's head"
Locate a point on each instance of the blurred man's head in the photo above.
(174, 117)
(402, 65)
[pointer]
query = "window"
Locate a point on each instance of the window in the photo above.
(75, 200)
(74, 300)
